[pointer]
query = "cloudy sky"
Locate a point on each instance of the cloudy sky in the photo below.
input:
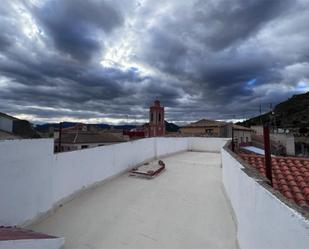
(107, 60)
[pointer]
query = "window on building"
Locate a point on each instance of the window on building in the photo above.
(209, 131)
(84, 146)
(241, 139)
(151, 117)
(159, 117)
(247, 139)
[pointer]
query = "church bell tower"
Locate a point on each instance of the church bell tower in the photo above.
(156, 120)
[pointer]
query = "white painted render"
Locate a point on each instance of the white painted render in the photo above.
(263, 221)
(207, 144)
(287, 140)
(184, 207)
(26, 171)
(6, 124)
(33, 179)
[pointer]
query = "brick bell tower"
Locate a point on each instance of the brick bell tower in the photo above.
(156, 120)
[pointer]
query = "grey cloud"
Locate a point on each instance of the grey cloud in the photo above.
(202, 55)
(75, 25)
(227, 22)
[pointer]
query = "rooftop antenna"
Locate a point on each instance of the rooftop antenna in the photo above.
(59, 138)
(233, 142)
(260, 113)
(267, 154)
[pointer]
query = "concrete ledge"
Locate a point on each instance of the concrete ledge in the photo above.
(264, 218)
(57, 243)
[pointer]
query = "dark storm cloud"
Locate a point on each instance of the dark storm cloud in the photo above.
(209, 58)
(215, 47)
(76, 26)
(227, 22)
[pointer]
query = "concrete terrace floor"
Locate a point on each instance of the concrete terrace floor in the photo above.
(184, 207)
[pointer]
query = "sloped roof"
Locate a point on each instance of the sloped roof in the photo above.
(206, 123)
(215, 123)
(242, 128)
(15, 233)
(290, 176)
(89, 137)
(4, 115)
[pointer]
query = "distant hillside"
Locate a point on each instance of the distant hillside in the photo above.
(45, 127)
(292, 113)
(171, 127)
(4, 115)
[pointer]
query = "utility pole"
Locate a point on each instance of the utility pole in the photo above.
(267, 154)
(233, 142)
(60, 135)
(260, 114)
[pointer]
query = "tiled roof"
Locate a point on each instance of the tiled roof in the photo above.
(290, 176)
(4, 115)
(89, 137)
(15, 233)
(215, 123)
(241, 128)
(205, 123)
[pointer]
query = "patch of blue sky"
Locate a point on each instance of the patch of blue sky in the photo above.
(251, 82)
(302, 86)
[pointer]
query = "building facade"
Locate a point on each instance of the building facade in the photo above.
(214, 128)
(83, 140)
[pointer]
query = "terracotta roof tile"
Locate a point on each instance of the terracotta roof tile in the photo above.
(15, 233)
(290, 175)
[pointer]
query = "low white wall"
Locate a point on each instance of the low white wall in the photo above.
(263, 221)
(33, 179)
(213, 144)
(25, 179)
(79, 169)
(170, 145)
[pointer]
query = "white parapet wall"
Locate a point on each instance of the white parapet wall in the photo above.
(263, 220)
(25, 179)
(207, 144)
(80, 169)
(34, 180)
(6, 124)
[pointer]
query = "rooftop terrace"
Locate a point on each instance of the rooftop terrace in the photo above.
(87, 200)
(184, 207)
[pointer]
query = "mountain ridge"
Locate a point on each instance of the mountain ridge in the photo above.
(291, 113)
